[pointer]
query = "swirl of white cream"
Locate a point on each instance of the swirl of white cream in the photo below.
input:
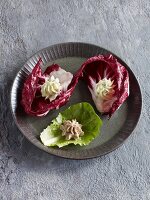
(51, 88)
(105, 89)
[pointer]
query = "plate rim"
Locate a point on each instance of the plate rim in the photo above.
(76, 157)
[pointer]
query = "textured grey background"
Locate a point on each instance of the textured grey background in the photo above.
(30, 25)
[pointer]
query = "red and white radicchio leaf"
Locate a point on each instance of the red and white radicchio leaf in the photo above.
(33, 101)
(105, 70)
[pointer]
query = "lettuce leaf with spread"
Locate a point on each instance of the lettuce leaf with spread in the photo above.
(84, 114)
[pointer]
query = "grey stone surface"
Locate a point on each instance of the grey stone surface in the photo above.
(30, 25)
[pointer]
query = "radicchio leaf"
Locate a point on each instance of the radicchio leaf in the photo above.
(106, 66)
(32, 100)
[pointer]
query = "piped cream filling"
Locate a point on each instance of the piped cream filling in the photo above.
(51, 88)
(105, 89)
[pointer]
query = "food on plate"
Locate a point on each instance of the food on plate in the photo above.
(108, 82)
(106, 78)
(79, 124)
(43, 92)
(71, 129)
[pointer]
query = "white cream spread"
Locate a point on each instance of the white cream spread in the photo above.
(71, 129)
(51, 88)
(105, 89)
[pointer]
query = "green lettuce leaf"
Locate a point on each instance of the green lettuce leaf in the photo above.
(84, 114)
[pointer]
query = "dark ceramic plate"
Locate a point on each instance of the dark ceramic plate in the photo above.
(114, 131)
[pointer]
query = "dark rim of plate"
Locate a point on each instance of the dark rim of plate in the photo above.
(78, 49)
